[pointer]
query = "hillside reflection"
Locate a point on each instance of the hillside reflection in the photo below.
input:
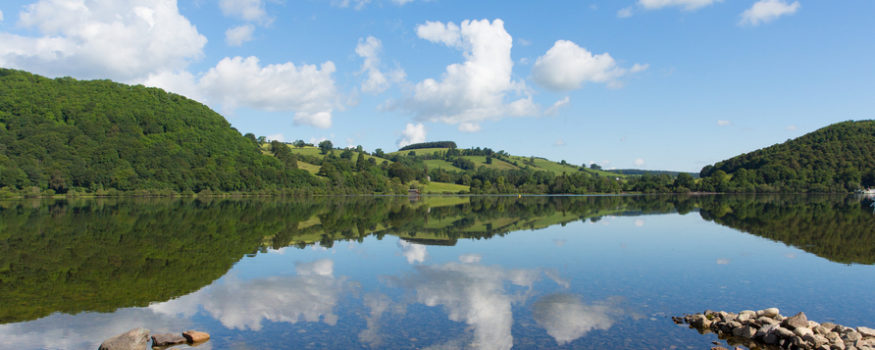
(101, 255)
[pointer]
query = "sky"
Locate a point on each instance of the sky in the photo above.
(650, 84)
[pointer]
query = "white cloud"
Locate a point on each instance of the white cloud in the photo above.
(1, 16)
(414, 253)
(473, 294)
(557, 105)
(236, 36)
(625, 12)
(181, 82)
(477, 89)
(567, 66)
(639, 161)
(470, 258)
(124, 40)
(277, 137)
(723, 123)
(566, 318)
(310, 296)
(413, 133)
(377, 82)
(249, 10)
(306, 90)
(764, 11)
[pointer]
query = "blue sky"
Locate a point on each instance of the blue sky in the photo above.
(654, 84)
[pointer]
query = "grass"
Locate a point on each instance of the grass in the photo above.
(440, 164)
(419, 152)
(444, 188)
(312, 168)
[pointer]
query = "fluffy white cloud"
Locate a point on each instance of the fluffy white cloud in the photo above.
(236, 36)
(124, 40)
(249, 10)
(723, 123)
(181, 82)
(566, 317)
(310, 296)
(414, 253)
(377, 81)
(567, 66)
(766, 11)
(413, 133)
(306, 90)
(477, 89)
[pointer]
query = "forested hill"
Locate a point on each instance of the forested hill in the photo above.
(63, 134)
(836, 158)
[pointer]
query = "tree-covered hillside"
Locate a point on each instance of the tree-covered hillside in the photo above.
(63, 134)
(836, 158)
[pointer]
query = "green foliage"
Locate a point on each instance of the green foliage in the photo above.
(836, 158)
(90, 136)
(435, 144)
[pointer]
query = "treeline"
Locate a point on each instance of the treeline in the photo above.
(434, 144)
(836, 158)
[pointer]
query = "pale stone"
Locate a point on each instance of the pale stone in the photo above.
(135, 339)
(195, 336)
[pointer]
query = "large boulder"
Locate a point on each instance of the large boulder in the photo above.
(135, 339)
(796, 321)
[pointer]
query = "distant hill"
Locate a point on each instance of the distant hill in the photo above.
(64, 134)
(651, 172)
(435, 144)
(836, 158)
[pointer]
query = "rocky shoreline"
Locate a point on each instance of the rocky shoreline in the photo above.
(138, 339)
(768, 329)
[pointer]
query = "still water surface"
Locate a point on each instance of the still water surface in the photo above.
(597, 272)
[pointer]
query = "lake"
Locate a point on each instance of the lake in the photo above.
(600, 272)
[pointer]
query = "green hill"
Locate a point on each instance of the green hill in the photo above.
(836, 158)
(58, 135)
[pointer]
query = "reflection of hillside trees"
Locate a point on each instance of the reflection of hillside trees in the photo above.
(841, 229)
(99, 255)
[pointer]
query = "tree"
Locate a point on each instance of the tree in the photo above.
(299, 143)
(379, 153)
(325, 146)
(595, 166)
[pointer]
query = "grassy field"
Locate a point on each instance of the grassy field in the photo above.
(419, 152)
(312, 168)
(440, 164)
(444, 188)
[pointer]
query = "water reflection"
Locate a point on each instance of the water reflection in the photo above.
(161, 262)
(566, 318)
(310, 296)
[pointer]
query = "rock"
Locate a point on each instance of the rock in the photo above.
(135, 339)
(195, 336)
(770, 338)
(803, 331)
(852, 336)
(866, 331)
(700, 321)
(819, 329)
(765, 330)
(837, 344)
(829, 326)
(746, 332)
(784, 332)
(718, 348)
(167, 339)
(795, 321)
(745, 316)
(763, 320)
(771, 312)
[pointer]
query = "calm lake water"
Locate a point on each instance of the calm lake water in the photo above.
(597, 272)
